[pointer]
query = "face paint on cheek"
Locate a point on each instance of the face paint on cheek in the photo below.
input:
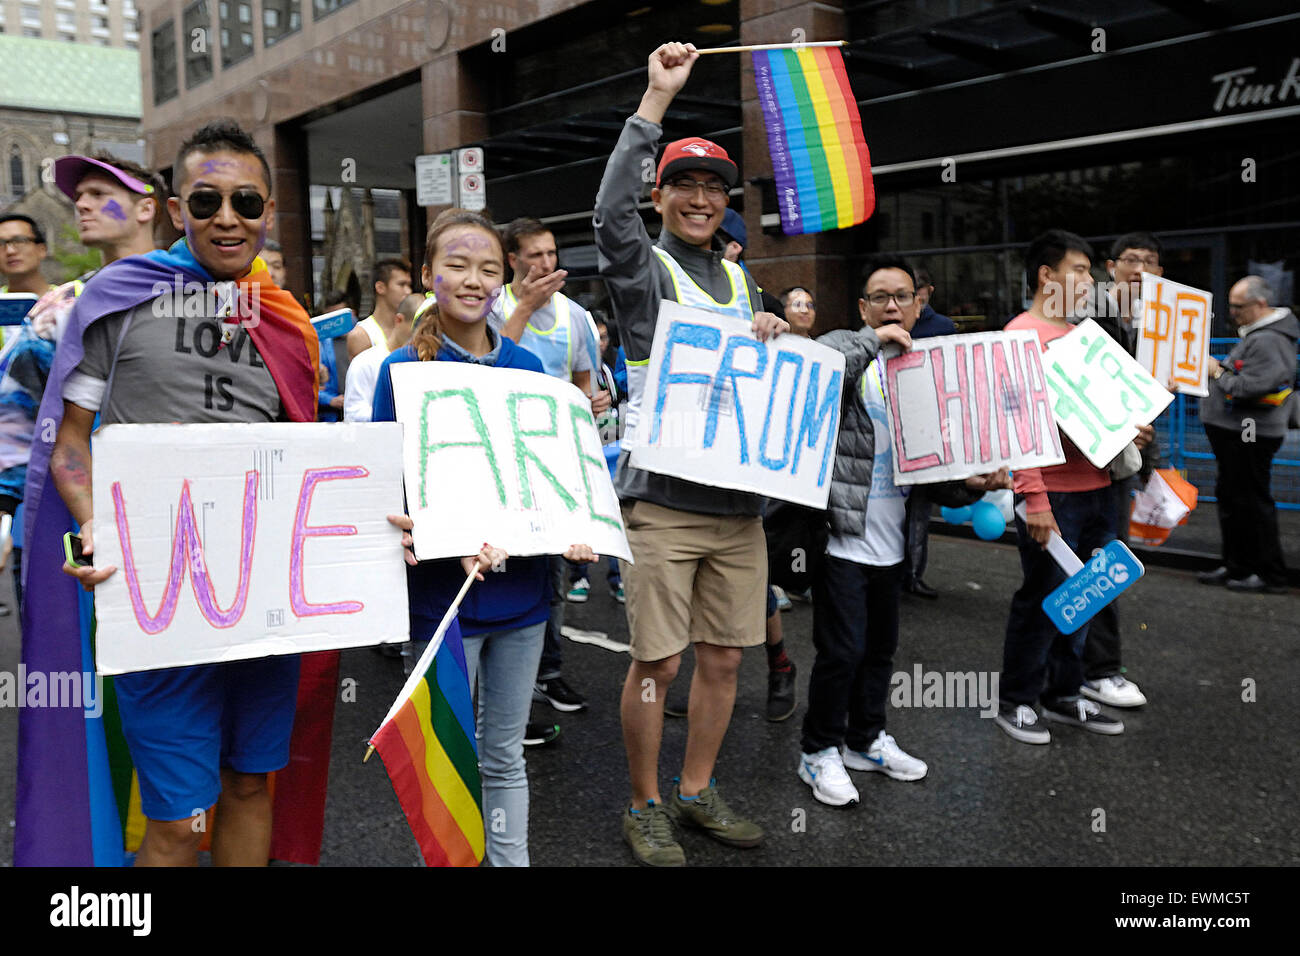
(490, 301)
(440, 292)
(111, 208)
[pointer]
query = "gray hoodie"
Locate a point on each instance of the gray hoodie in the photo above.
(1262, 362)
(637, 281)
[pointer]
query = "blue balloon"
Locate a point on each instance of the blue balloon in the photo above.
(955, 515)
(987, 520)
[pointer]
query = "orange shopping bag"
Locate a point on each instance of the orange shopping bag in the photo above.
(1165, 502)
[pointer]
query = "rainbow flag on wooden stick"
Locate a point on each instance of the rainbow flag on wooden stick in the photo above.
(428, 748)
(814, 133)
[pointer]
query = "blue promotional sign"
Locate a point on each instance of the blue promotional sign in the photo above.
(333, 324)
(1106, 575)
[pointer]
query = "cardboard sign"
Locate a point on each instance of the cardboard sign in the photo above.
(503, 456)
(1106, 575)
(1174, 340)
(722, 408)
(1100, 394)
(962, 405)
(244, 541)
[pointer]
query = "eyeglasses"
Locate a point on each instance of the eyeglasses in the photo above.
(206, 203)
(1132, 260)
(16, 242)
(879, 300)
(713, 189)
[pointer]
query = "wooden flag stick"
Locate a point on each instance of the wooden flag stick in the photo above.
(770, 46)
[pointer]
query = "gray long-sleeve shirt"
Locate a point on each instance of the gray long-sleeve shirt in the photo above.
(637, 281)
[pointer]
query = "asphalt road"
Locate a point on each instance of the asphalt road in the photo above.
(1200, 777)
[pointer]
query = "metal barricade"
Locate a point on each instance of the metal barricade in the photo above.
(1184, 445)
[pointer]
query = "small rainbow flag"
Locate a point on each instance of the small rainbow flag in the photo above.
(428, 748)
(814, 133)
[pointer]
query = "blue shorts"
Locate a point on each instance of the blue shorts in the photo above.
(183, 724)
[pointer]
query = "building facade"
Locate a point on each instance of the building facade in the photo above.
(58, 98)
(111, 23)
(988, 121)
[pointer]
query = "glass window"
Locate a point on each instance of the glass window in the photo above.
(323, 7)
(236, 41)
(279, 19)
(198, 44)
(17, 181)
(163, 47)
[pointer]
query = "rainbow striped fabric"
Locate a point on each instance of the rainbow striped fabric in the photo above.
(814, 133)
(429, 751)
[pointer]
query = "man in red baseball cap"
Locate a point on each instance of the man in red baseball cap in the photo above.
(700, 575)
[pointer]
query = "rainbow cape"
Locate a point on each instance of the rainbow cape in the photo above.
(428, 748)
(77, 801)
(814, 134)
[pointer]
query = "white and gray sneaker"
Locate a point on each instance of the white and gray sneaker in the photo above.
(824, 772)
(1084, 713)
(1021, 723)
(885, 755)
(1113, 691)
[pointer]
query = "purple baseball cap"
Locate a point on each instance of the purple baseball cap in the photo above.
(70, 170)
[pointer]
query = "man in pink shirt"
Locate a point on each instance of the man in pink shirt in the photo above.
(1073, 499)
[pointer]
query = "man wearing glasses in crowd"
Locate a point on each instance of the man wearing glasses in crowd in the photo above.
(206, 735)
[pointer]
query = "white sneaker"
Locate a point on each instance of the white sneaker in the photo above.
(885, 755)
(824, 772)
(1115, 691)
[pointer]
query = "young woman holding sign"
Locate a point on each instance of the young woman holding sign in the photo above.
(503, 617)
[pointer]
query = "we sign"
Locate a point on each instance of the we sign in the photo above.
(243, 541)
(722, 408)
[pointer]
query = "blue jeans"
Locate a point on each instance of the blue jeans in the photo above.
(1037, 659)
(505, 664)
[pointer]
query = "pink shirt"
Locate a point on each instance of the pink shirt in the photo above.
(1077, 473)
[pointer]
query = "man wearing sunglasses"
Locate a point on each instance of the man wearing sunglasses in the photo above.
(198, 736)
(680, 532)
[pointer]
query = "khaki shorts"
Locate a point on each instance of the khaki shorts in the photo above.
(697, 579)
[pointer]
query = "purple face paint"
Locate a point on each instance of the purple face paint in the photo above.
(113, 209)
(213, 165)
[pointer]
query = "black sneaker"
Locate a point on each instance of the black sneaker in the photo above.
(559, 695)
(678, 701)
(781, 697)
(536, 735)
(1081, 712)
(1218, 576)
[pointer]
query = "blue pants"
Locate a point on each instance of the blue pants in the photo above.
(504, 664)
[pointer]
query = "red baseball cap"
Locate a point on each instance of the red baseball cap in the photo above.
(70, 170)
(697, 153)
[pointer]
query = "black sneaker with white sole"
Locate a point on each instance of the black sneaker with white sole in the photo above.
(538, 734)
(1081, 712)
(559, 695)
(1022, 724)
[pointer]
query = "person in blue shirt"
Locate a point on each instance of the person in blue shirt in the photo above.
(503, 617)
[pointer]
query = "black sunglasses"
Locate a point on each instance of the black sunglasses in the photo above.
(206, 203)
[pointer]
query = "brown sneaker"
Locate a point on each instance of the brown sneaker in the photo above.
(650, 834)
(710, 813)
